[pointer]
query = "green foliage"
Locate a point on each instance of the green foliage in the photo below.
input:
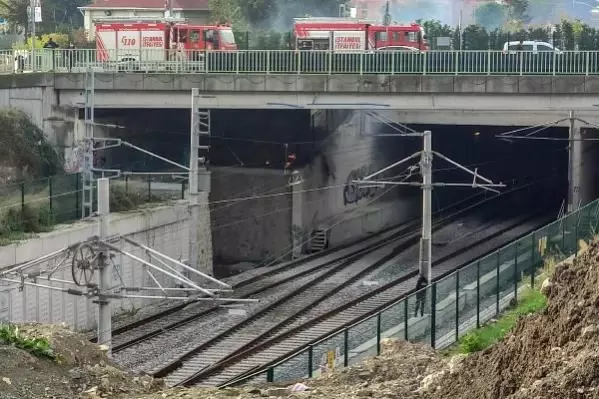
(16, 222)
(123, 199)
(531, 301)
(57, 15)
(25, 148)
(40, 347)
(61, 39)
(490, 15)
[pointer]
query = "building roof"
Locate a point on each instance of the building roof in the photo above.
(177, 4)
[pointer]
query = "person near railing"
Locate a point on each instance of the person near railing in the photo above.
(420, 295)
(51, 45)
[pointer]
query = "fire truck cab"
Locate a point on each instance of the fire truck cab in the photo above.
(144, 43)
(352, 34)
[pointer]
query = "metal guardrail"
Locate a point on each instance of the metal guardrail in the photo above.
(306, 62)
(455, 304)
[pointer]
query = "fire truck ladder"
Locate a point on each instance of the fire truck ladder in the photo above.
(87, 174)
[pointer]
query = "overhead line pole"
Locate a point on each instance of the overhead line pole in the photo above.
(427, 184)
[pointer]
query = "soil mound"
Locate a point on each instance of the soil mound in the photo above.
(554, 354)
(80, 370)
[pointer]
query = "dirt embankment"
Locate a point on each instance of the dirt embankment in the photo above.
(80, 370)
(553, 355)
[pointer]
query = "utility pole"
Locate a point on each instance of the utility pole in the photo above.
(32, 4)
(200, 126)
(426, 162)
(574, 161)
(426, 167)
(104, 312)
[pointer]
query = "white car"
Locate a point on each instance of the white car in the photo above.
(530, 45)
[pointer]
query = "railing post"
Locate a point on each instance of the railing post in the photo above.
(554, 58)
(299, 62)
(330, 61)
(22, 197)
(478, 294)
(361, 63)
(521, 59)
(405, 319)
(497, 265)
(457, 305)
(346, 347)
(237, 62)
(489, 55)
(392, 63)
(587, 61)
(532, 265)
(434, 315)
(310, 361)
(457, 60)
(50, 193)
(268, 62)
(424, 63)
(378, 333)
(270, 374)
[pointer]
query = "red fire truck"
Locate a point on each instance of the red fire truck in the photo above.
(144, 43)
(351, 34)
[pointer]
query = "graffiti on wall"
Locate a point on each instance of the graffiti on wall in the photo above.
(74, 159)
(352, 194)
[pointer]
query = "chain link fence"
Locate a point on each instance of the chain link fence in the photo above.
(455, 304)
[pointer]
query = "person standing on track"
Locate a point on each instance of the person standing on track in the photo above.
(420, 295)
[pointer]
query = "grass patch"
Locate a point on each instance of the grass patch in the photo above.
(40, 347)
(17, 223)
(530, 301)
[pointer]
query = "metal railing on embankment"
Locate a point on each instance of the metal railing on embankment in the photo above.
(57, 199)
(485, 62)
(455, 304)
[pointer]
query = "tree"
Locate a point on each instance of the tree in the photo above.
(490, 15)
(57, 15)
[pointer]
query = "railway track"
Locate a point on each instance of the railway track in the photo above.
(183, 315)
(276, 330)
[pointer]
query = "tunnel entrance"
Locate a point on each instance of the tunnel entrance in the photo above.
(257, 216)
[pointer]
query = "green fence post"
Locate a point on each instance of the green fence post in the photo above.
(50, 193)
(457, 305)
(478, 294)
(497, 264)
(77, 177)
(405, 318)
(22, 197)
(346, 347)
(182, 190)
(149, 188)
(532, 264)
(126, 184)
(270, 374)
(576, 233)
(378, 333)
(310, 360)
(563, 223)
(433, 315)
(516, 271)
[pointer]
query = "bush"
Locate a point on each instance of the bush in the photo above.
(471, 343)
(18, 221)
(40, 347)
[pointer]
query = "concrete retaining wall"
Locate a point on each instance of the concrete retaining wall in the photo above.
(351, 152)
(165, 229)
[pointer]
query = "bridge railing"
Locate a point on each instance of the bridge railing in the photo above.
(306, 62)
(454, 304)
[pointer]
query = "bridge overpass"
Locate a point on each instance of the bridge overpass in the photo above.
(441, 99)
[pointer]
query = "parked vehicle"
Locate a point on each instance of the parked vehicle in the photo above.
(352, 34)
(137, 45)
(530, 45)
